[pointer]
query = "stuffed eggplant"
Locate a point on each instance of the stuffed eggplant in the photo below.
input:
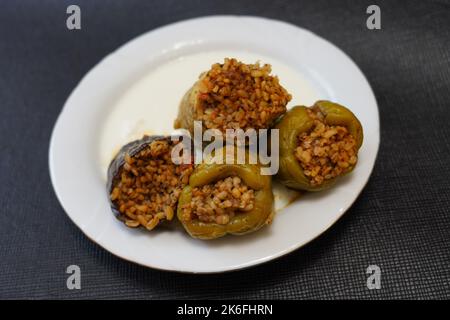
(144, 184)
(233, 95)
(225, 199)
(318, 145)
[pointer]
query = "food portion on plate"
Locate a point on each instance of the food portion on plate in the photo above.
(144, 184)
(317, 145)
(233, 95)
(225, 199)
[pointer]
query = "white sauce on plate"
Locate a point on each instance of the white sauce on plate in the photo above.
(150, 105)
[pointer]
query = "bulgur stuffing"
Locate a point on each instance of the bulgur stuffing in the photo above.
(326, 151)
(149, 185)
(220, 201)
(235, 95)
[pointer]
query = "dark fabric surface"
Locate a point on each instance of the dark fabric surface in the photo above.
(400, 222)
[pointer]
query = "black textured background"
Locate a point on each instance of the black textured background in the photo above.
(401, 221)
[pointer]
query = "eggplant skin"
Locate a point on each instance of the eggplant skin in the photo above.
(296, 121)
(117, 163)
(240, 224)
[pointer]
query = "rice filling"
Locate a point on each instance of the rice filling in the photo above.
(326, 151)
(219, 202)
(234, 95)
(148, 186)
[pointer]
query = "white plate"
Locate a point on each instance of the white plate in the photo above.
(137, 88)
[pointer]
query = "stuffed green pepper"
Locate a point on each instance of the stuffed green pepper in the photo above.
(225, 199)
(233, 95)
(318, 145)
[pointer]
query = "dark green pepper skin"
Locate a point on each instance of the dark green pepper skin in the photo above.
(241, 223)
(297, 121)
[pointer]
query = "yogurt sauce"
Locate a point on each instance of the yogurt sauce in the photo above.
(150, 105)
